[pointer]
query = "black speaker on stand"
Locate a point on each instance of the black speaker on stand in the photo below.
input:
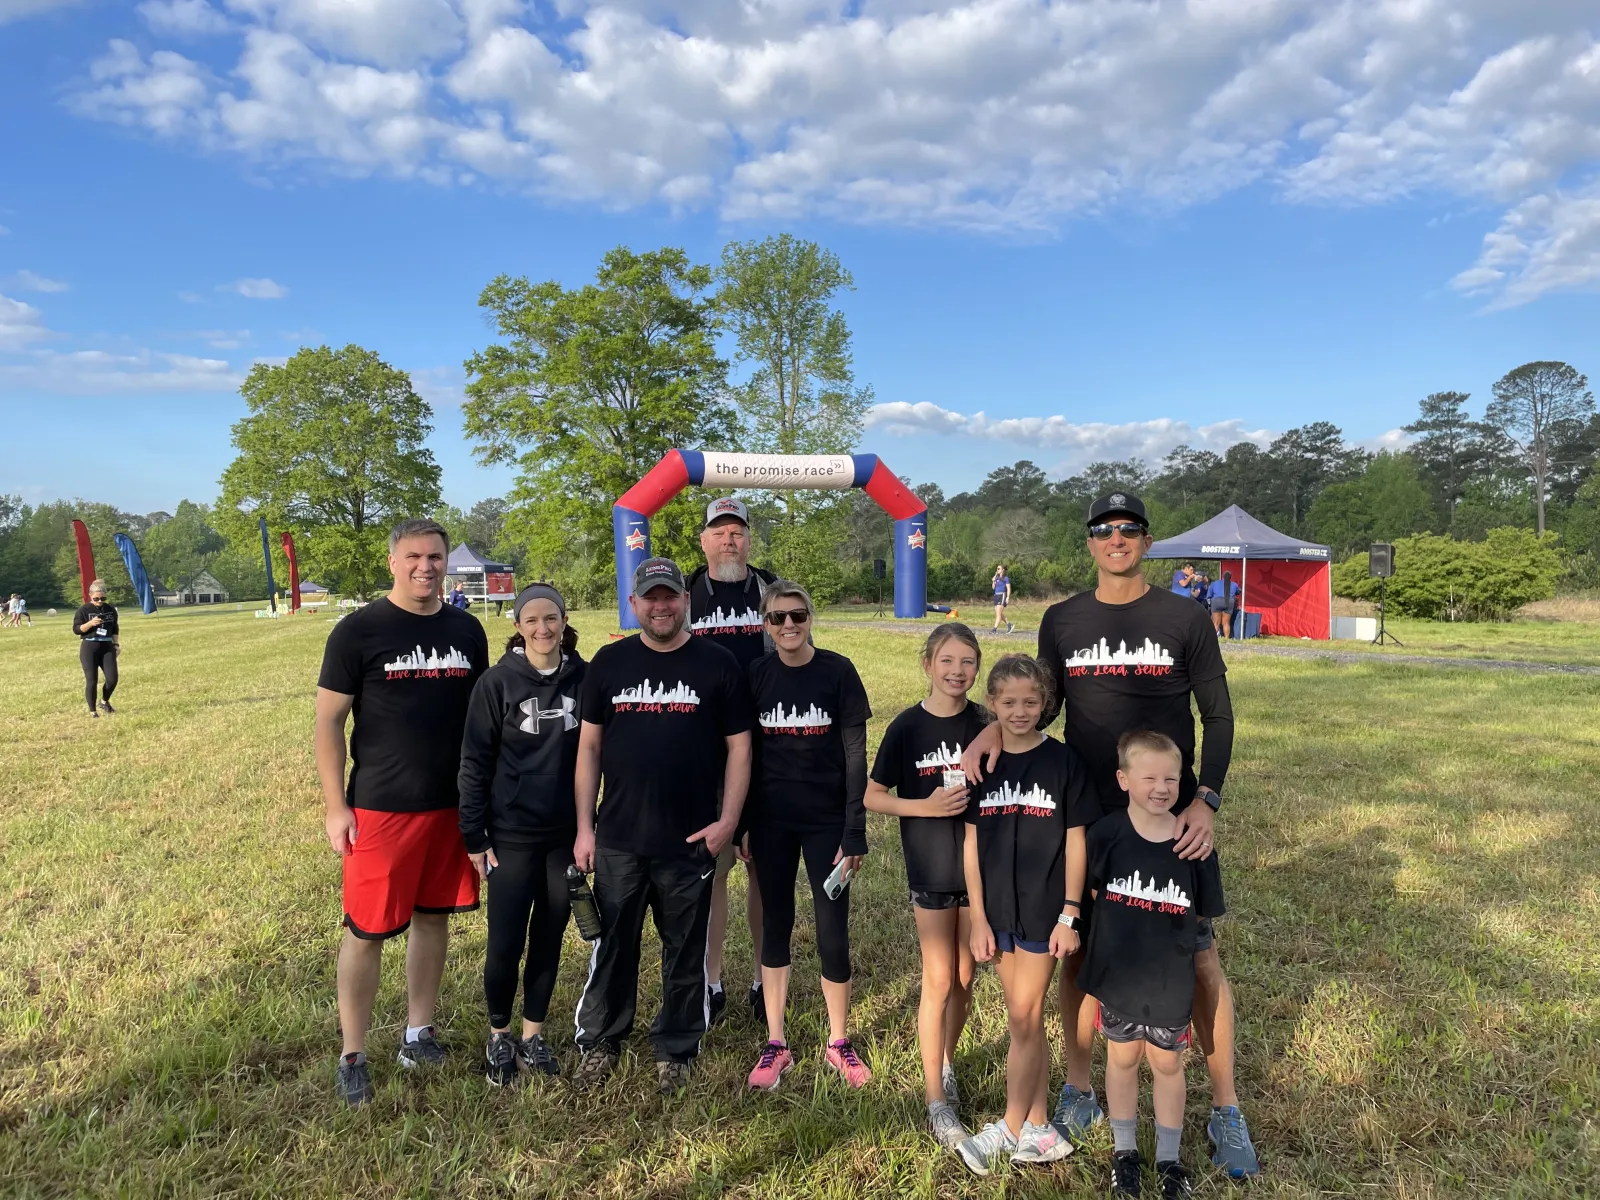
(880, 572)
(1380, 565)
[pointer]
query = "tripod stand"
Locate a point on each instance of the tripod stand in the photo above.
(880, 612)
(1383, 634)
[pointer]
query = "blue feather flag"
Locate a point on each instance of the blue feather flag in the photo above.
(136, 573)
(266, 553)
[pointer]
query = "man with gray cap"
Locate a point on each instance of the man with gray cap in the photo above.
(725, 608)
(666, 721)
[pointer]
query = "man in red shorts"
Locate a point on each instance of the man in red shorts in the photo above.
(405, 665)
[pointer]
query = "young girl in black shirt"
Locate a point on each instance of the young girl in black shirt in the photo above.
(1024, 859)
(919, 760)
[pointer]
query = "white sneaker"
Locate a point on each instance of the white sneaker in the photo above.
(947, 1128)
(988, 1148)
(1041, 1144)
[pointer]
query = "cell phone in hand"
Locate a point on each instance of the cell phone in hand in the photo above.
(836, 882)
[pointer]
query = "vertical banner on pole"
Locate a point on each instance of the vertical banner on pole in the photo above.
(85, 557)
(136, 573)
(266, 553)
(294, 573)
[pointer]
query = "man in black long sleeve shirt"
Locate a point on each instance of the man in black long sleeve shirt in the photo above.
(1128, 656)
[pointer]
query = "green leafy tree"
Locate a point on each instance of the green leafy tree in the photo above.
(1304, 461)
(1530, 406)
(776, 297)
(332, 451)
(585, 392)
(1019, 487)
(1387, 501)
(1016, 537)
(806, 551)
(1446, 444)
(102, 521)
(185, 543)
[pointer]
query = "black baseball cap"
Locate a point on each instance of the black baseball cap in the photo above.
(1118, 504)
(657, 572)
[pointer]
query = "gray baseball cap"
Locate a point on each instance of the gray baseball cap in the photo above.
(657, 572)
(727, 506)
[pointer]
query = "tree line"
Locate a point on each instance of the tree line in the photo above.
(584, 388)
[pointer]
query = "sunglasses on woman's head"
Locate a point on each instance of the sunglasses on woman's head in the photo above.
(1128, 529)
(778, 616)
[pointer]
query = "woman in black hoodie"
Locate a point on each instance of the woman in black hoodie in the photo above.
(519, 819)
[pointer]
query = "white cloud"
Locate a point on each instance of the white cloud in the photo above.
(191, 297)
(257, 289)
(442, 387)
(13, 10)
(183, 18)
(998, 115)
(101, 372)
(1548, 243)
(20, 324)
(1392, 440)
(223, 339)
(1083, 442)
(27, 281)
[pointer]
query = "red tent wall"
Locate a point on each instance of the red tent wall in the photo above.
(1290, 594)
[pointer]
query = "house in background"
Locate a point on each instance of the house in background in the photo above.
(201, 588)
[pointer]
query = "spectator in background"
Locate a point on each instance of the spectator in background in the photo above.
(1001, 585)
(1182, 579)
(458, 598)
(1222, 597)
(96, 625)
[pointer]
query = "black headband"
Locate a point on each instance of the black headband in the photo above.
(537, 591)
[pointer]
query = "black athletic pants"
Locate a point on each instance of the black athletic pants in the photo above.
(677, 890)
(97, 656)
(777, 854)
(528, 906)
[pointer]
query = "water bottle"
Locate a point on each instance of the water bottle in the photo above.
(585, 913)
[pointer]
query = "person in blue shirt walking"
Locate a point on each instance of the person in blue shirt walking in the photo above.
(1222, 597)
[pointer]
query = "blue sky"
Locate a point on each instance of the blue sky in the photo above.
(1077, 231)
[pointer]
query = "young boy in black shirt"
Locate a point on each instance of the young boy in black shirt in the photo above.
(1139, 961)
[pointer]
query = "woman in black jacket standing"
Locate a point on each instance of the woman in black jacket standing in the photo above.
(518, 815)
(96, 624)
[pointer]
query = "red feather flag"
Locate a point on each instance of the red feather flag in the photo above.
(294, 574)
(85, 557)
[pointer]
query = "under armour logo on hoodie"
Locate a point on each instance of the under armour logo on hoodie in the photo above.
(535, 714)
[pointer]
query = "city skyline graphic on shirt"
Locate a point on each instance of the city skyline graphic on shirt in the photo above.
(661, 694)
(1142, 889)
(1010, 793)
(940, 758)
(454, 660)
(717, 621)
(812, 718)
(1151, 654)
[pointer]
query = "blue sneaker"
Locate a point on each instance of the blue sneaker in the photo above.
(1230, 1139)
(1076, 1113)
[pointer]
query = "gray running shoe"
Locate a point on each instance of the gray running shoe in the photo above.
(947, 1080)
(672, 1078)
(1076, 1113)
(354, 1081)
(1041, 1144)
(1230, 1139)
(535, 1055)
(947, 1128)
(424, 1052)
(594, 1068)
(500, 1057)
(988, 1148)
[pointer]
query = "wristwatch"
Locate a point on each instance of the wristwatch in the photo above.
(1071, 922)
(1212, 798)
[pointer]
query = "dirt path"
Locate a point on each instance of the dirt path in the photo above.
(1023, 639)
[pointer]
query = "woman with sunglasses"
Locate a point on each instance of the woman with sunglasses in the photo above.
(806, 802)
(96, 625)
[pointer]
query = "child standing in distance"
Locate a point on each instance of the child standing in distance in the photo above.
(1025, 858)
(1139, 963)
(917, 777)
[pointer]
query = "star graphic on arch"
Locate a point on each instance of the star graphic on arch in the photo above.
(635, 540)
(917, 540)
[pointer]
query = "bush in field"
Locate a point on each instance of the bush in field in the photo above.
(1440, 578)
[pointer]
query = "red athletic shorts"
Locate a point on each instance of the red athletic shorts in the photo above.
(404, 863)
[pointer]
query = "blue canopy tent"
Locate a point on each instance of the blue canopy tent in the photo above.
(479, 578)
(1291, 585)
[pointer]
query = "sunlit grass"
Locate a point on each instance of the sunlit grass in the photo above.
(1411, 860)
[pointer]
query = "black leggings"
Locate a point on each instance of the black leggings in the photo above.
(530, 880)
(96, 657)
(777, 854)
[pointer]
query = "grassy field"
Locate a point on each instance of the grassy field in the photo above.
(1412, 863)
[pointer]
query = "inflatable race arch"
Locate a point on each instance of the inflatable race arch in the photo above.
(630, 515)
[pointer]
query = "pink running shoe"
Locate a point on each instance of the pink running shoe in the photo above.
(770, 1067)
(842, 1057)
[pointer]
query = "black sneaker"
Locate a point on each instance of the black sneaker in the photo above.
(672, 1078)
(424, 1052)
(501, 1056)
(105, 706)
(534, 1054)
(1127, 1174)
(717, 1003)
(594, 1068)
(1175, 1183)
(758, 1004)
(354, 1081)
